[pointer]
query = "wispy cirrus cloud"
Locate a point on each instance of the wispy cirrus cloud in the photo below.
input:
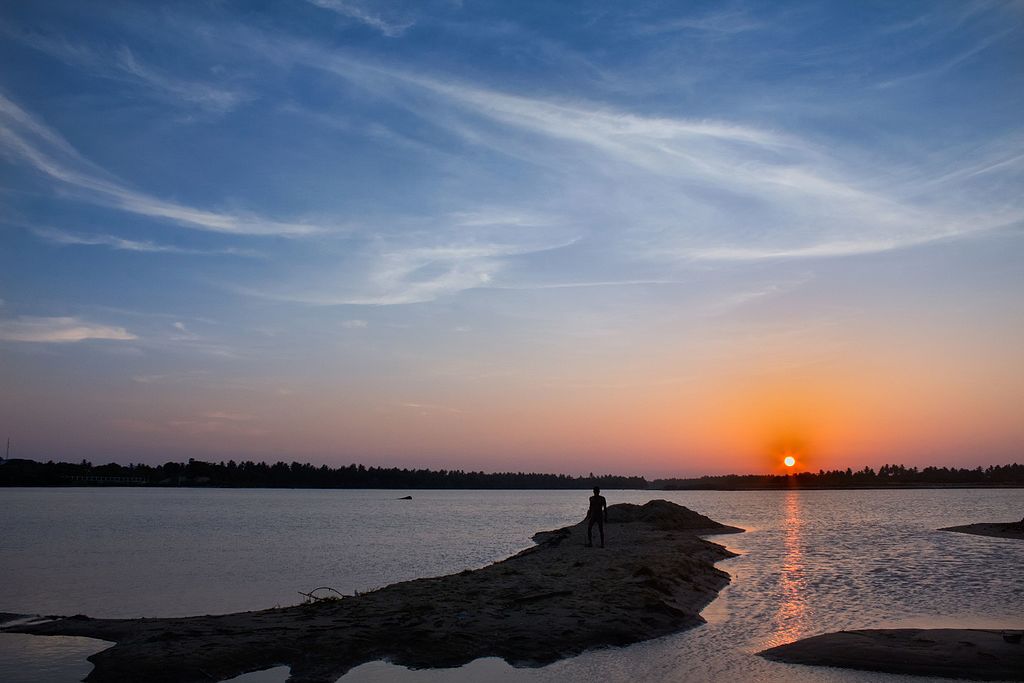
(724, 190)
(587, 284)
(431, 408)
(59, 330)
(637, 188)
(203, 95)
(357, 12)
(714, 176)
(229, 416)
(950, 62)
(124, 65)
(403, 274)
(29, 140)
(66, 238)
(656, 187)
(728, 22)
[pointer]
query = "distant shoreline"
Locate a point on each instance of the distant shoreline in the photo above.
(296, 475)
(844, 488)
(893, 487)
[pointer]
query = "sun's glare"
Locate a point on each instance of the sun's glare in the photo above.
(789, 460)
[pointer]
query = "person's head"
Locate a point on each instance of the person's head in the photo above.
(597, 490)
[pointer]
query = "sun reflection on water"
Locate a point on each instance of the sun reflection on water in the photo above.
(790, 619)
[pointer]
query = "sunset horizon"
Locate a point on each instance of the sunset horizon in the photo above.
(640, 241)
(784, 466)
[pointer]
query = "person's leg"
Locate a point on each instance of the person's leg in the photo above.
(600, 528)
(590, 531)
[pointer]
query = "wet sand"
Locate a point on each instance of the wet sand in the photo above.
(974, 654)
(994, 529)
(551, 601)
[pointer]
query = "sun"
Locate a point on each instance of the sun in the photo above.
(789, 460)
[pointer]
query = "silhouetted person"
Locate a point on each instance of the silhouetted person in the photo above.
(597, 514)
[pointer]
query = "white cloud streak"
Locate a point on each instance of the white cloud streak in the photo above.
(59, 330)
(805, 194)
(584, 284)
(429, 408)
(65, 238)
(353, 10)
(205, 96)
(122, 64)
(656, 189)
(230, 417)
(803, 200)
(727, 22)
(948, 64)
(406, 274)
(29, 140)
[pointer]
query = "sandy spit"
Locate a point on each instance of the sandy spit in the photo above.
(974, 654)
(551, 601)
(994, 529)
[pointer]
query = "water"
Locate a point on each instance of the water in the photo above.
(811, 561)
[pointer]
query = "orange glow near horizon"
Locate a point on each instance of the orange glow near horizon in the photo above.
(742, 413)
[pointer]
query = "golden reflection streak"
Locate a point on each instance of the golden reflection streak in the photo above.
(789, 621)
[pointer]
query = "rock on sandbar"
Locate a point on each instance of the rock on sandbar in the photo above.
(550, 601)
(994, 529)
(979, 655)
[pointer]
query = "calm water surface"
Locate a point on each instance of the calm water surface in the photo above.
(810, 562)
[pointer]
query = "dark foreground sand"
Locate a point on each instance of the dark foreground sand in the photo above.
(550, 601)
(979, 655)
(995, 529)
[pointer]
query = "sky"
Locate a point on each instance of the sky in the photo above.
(653, 238)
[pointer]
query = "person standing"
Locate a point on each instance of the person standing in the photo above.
(597, 514)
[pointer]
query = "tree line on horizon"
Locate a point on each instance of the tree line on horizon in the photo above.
(249, 474)
(885, 476)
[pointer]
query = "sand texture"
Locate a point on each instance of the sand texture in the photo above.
(994, 529)
(980, 655)
(550, 601)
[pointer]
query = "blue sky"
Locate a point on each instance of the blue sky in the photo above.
(461, 233)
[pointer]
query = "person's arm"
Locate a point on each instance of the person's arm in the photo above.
(604, 504)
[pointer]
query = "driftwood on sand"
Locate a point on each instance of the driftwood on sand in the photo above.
(974, 654)
(550, 601)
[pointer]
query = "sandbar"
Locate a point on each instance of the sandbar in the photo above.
(994, 529)
(553, 600)
(974, 654)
